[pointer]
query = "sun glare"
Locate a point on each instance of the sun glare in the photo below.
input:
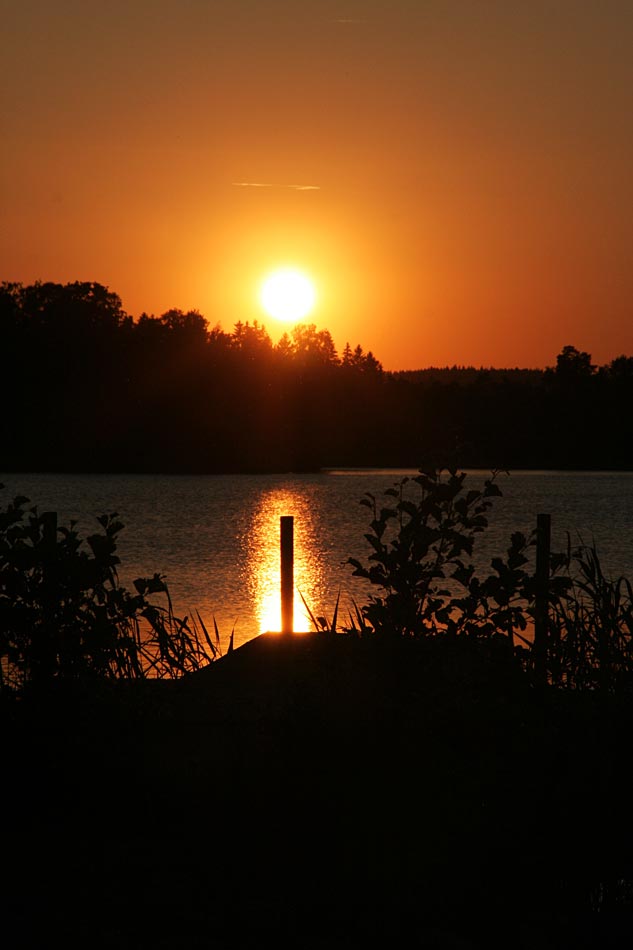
(287, 295)
(264, 573)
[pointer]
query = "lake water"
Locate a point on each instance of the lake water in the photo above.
(216, 538)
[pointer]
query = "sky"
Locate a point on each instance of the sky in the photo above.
(454, 175)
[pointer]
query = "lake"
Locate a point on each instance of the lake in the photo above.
(216, 538)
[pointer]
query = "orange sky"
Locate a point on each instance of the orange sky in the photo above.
(471, 163)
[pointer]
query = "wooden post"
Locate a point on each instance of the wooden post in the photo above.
(541, 595)
(287, 573)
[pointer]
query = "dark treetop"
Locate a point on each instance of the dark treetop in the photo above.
(87, 388)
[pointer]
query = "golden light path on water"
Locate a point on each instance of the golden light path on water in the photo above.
(264, 576)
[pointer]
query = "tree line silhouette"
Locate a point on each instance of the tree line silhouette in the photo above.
(85, 387)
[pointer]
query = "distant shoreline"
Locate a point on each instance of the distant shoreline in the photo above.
(322, 470)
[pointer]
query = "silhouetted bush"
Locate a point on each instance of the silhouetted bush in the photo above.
(64, 616)
(421, 563)
(423, 544)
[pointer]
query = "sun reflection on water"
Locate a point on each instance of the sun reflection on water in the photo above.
(264, 574)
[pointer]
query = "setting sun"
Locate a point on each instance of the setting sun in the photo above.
(287, 295)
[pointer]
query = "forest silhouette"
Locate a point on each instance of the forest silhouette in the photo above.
(87, 388)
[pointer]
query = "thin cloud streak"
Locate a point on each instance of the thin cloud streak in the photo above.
(267, 184)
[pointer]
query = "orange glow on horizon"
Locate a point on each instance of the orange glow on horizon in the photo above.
(461, 195)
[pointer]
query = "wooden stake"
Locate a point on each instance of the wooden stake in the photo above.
(287, 572)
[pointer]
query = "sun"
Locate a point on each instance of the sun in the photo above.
(287, 294)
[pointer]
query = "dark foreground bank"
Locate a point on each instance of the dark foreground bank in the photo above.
(321, 791)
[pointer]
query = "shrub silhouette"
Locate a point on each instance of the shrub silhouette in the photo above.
(64, 615)
(421, 562)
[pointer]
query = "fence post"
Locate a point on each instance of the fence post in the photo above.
(541, 595)
(287, 572)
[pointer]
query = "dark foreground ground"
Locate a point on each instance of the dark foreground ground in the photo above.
(320, 792)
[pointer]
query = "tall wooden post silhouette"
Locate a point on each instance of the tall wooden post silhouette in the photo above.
(287, 573)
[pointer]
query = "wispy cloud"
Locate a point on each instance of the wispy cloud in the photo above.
(251, 184)
(268, 184)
